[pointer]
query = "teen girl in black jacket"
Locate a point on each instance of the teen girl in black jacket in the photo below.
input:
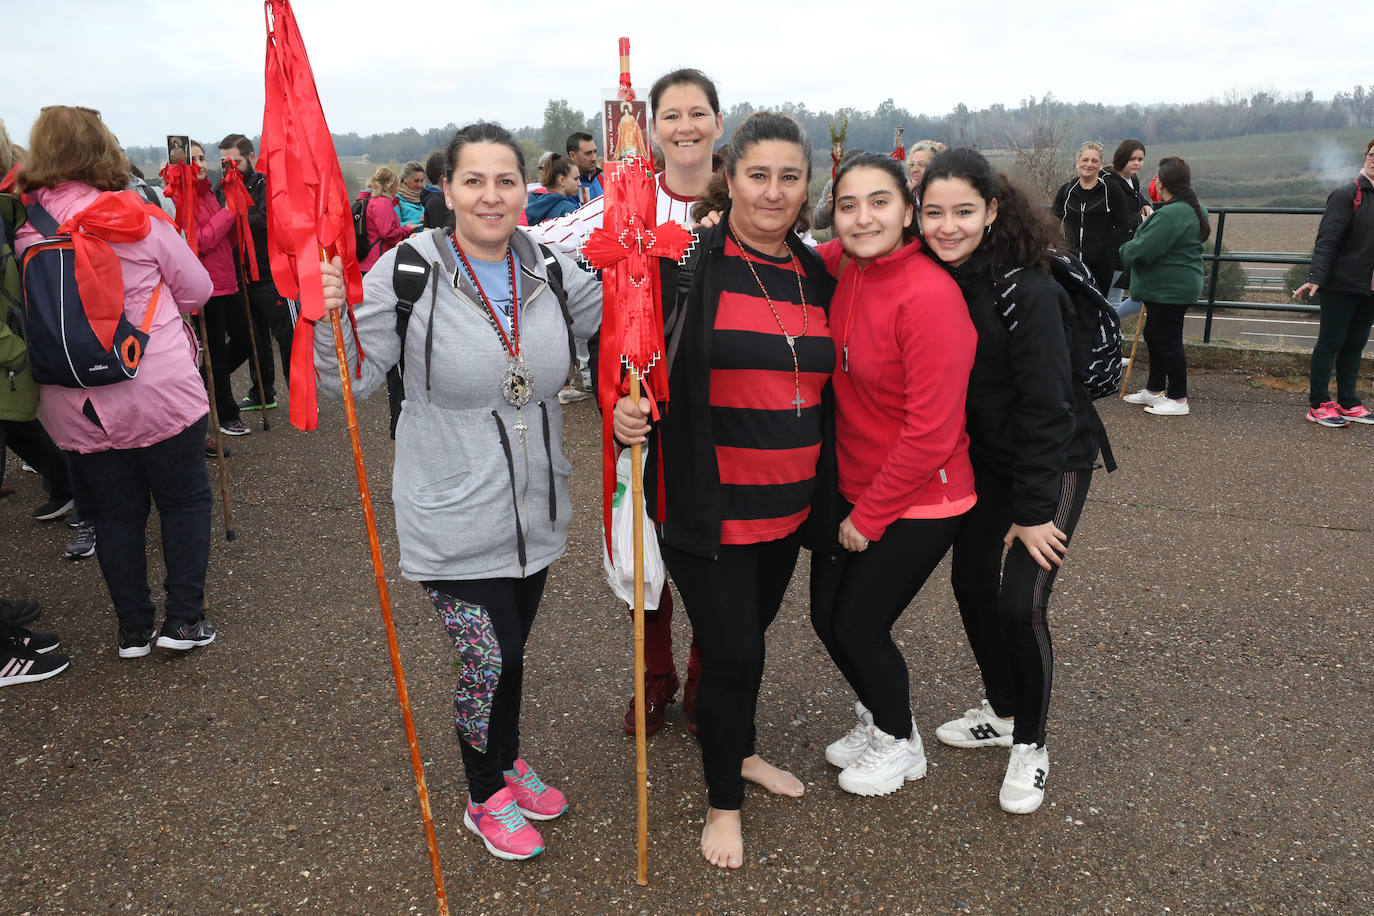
(1030, 440)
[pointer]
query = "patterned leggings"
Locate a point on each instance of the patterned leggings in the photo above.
(489, 621)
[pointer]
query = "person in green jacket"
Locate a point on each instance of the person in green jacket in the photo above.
(1165, 260)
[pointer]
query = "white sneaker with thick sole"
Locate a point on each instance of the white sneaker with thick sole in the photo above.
(886, 764)
(1144, 397)
(851, 747)
(1023, 788)
(1168, 408)
(979, 727)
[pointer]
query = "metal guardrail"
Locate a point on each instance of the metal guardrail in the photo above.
(1252, 257)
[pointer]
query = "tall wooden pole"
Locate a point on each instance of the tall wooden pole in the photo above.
(641, 739)
(214, 423)
(1139, 326)
(379, 573)
(253, 342)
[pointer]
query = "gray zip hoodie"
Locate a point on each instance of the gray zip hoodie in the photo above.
(476, 496)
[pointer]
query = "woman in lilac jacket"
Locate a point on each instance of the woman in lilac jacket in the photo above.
(139, 440)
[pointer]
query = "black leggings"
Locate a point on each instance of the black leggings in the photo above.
(857, 598)
(1164, 340)
(731, 600)
(1005, 615)
(488, 621)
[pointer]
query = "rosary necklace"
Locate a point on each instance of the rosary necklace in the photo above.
(798, 400)
(517, 382)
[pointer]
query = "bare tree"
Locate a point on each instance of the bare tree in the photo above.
(1038, 157)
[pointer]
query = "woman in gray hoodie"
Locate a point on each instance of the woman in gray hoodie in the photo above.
(480, 483)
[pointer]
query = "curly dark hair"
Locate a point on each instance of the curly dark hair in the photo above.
(1022, 234)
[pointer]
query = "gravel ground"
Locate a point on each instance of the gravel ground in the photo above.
(1212, 638)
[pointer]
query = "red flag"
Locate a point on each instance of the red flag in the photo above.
(307, 200)
(238, 201)
(626, 248)
(179, 182)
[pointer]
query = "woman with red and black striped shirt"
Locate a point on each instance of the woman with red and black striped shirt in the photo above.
(742, 440)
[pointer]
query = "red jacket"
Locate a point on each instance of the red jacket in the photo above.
(215, 240)
(899, 409)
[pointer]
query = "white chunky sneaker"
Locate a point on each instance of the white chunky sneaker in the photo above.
(1144, 397)
(979, 727)
(886, 764)
(1023, 788)
(851, 747)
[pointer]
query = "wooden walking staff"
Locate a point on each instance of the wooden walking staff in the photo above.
(214, 424)
(626, 249)
(1139, 326)
(239, 201)
(308, 219)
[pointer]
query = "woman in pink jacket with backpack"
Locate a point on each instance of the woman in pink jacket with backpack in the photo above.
(139, 440)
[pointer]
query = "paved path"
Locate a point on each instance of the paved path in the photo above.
(1209, 733)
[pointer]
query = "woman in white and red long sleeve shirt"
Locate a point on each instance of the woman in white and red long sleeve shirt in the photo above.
(906, 345)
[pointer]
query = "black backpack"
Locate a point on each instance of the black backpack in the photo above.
(1095, 339)
(409, 277)
(359, 211)
(1096, 345)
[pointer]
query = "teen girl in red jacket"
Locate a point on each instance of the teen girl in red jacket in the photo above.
(905, 345)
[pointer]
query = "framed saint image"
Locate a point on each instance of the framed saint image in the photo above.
(624, 126)
(178, 148)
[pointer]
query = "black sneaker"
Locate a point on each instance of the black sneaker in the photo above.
(20, 664)
(84, 545)
(250, 402)
(17, 612)
(184, 635)
(42, 643)
(53, 508)
(135, 643)
(234, 427)
(210, 451)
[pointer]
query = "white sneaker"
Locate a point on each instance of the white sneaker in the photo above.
(570, 395)
(979, 727)
(1145, 397)
(851, 747)
(1023, 788)
(887, 763)
(1168, 408)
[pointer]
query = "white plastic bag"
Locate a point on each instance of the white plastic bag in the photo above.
(619, 565)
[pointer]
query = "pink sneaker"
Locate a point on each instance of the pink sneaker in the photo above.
(535, 800)
(503, 828)
(1329, 414)
(1357, 414)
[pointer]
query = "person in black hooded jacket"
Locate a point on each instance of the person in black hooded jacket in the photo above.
(1343, 279)
(1033, 446)
(1095, 215)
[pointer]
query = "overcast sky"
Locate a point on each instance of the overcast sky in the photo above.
(154, 67)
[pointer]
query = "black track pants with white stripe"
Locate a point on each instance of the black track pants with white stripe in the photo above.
(1003, 597)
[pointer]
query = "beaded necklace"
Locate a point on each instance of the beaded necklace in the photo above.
(517, 382)
(791, 340)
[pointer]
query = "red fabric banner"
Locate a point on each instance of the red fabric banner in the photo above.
(307, 200)
(238, 201)
(179, 184)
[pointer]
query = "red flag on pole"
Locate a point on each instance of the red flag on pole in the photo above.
(307, 200)
(238, 201)
(179, 183)
(307, 218)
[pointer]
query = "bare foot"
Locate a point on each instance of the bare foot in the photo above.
(721, 841)
(779, 782)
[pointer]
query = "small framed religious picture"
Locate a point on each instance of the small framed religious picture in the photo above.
(625, 126)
